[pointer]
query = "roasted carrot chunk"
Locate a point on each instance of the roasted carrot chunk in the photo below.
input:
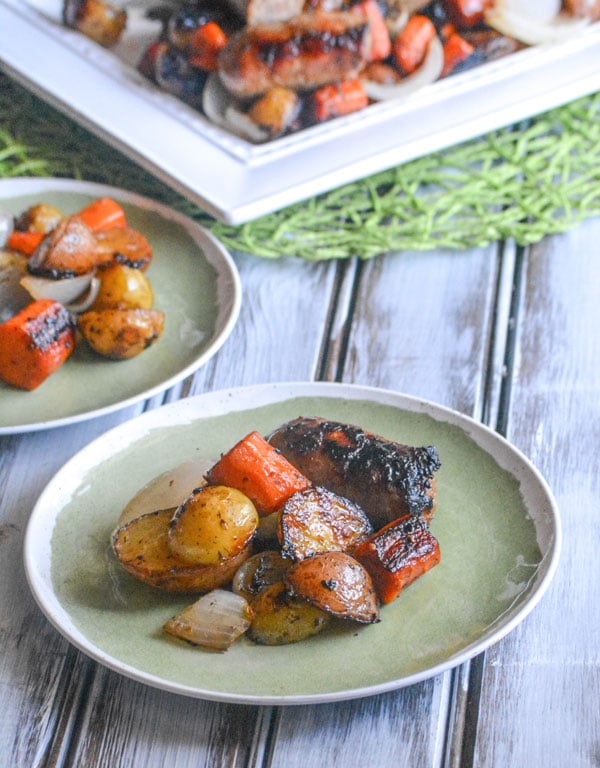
(398, 554)
(337, 99)
(24, 242)
(204, 47)
(35, 342)
(257, 469)
(381, 45)
(103, 213)
(412, 43)
(456, 50)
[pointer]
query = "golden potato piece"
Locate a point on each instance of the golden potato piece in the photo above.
(142, 548)
(99, 20)
(213, 524)
(121, 333)
(317, 520)
(39, 218)
(68, 250)
(280, 619)
(258, 572)
(123, 245)
(123, 287)
(336, 583)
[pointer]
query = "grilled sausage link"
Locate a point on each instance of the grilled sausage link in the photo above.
(305, 52)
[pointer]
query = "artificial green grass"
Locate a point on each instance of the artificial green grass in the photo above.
(523, 182)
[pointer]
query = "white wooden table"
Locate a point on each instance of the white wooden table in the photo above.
(507, 336)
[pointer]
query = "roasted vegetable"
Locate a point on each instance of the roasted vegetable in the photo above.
(103, 213)
(41, 218)
(99, 20)
(259, 572)
(215, 620)
(317, 520)
(122, 245)
(69, 249)
(213, 524)
(335, 583)
(142, 548)
(276, 110)
(280, 619)
(412, 43)
(123, 287)
(121, 333)
(398, 554)
(35, 342)
(258, 470)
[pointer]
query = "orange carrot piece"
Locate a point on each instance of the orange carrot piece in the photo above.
(381, 45)
(35, 342)
(456, 50)
(398, 554)
(205, 46)
(338, 99)
(103, 213)
(257, 469)
(24, 242)
(412, 42)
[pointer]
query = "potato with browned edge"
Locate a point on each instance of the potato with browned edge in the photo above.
(123, 287)
(213, 524)
(121, 334)
(335, 583)
(142, 548)
(280, 618)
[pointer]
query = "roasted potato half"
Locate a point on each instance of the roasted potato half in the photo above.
(280, 618)
(121, 333)
(42, 217)
(142, 548)
(213, 524)
(335, 583)
(317, 520)
(123, 245)
(123, 287)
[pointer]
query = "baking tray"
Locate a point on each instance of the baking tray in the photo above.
(236, 181)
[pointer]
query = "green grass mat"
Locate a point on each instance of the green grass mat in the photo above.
(524, 182)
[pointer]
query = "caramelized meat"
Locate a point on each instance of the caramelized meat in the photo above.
(305, 52)
(387, 479)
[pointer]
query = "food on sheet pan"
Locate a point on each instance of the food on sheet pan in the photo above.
(69, 277)
(262, 69)
(291, 543)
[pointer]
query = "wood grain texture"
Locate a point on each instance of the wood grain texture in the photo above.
(540, 701)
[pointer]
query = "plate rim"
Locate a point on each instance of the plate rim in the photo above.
(279, 392)
(212, 249)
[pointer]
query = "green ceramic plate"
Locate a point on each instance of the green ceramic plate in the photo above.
(497, 525)
(195, 283)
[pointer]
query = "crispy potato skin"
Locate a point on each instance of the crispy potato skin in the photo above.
(142, 548)
(336, 583)
(68, 250)
(317, 520)
(121, 334)
(213, 524)
(280, 619)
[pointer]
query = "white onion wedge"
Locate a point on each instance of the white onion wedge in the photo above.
(75, 293)
(215, 621)
(505, 18)
(427, 73)
(166, 490)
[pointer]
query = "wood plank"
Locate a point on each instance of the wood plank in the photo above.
(420, 323)
(541, 694)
